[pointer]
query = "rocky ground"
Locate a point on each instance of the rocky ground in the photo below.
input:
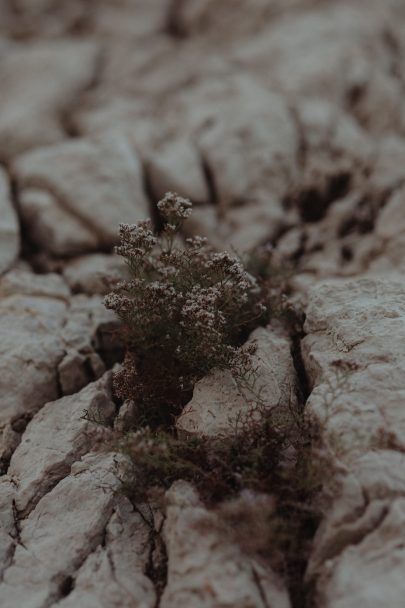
(284, 122)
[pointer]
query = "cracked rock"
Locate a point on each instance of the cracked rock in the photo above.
(113, 575)
(56, 437)
(354, 351)
(177, 167)
(250, 145)
(353, 354)
(205, 568)
(217, 400)
(56, 541)
(50, 75)
(107, 192)
(31, 347)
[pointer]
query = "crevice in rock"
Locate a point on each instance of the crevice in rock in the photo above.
(210, 181)
(151, 199)
(42, 184)
(296, 503)
(302, 148)
(259, 586)
(313, 203)
(156, 565)
(361, 221)
(27, 247)
(16, 537)
(18, 426)
(304, 387)
(66, 587)
(175, 26)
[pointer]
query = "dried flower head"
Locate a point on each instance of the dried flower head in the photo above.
(174, 208)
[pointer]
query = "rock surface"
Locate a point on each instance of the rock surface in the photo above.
(218, 401)
(97, 183)
(37, 465)
(51, 75)
(284, 122)
(353, 353)
(9, 228)
(218, 574)
(39, 569)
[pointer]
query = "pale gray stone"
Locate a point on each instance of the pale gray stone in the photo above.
(90, 273)
(177, 167)
(56, 437)
(40, 82)
(353, 354)
(109, 191)
(113, 575)
(67, 524)
(219, 399)
(206, 569)
(9, 228)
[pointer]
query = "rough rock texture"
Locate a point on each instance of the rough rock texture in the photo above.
(177, 167)
(39, 570)
(284, 122)
(90, 273)
(31, 349)
(261, 139)
(218, 400)
(362, 323)
(95, 184)
(51, 75)
(113, 575)
(218, 574)
(353, 353)
(40, 328)
(37, 465)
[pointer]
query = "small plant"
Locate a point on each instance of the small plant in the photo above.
(185, 309)
(219, 467)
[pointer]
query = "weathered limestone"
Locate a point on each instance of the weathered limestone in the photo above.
(89, 274)
(56, 437)
(177, 167)
(389, 236)
(9, 228)
(51, 227)
(48, 346)
(250, 144)
(31, 347)
(50, 75)
(318, 52)
(206, 569)
(284, 122)
(218, 400)
(8, 530)
(55, 540)
(113, 575)
(354, 356)
(96, 184)
(23, 282)
(362, 322)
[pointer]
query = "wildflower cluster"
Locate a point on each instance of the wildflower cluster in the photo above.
(185, 309)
